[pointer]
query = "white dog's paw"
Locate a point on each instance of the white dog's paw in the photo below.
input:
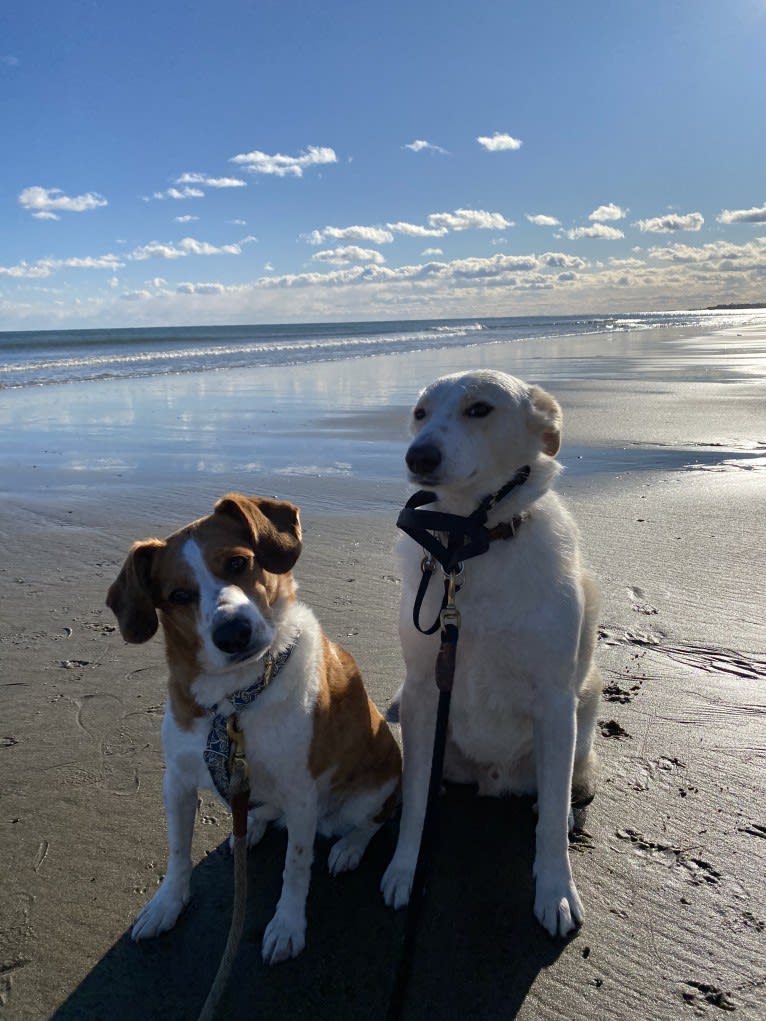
(345, 855)
(161, 913)
(284, 938)
(558, 907)
(396, 884)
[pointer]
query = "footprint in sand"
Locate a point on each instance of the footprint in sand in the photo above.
(112, 762)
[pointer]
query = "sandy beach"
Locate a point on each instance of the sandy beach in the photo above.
(665, 456)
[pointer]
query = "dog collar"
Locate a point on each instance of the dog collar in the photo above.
(217, 753)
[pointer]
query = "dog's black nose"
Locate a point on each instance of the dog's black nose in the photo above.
(423, 458)
(233, 635)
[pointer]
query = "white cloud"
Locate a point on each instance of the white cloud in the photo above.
(469, 219)
(671, 223)
(608, 212)
(715, 252)
(541, 220)
(258, 162)
(754, 215)
(25, 270)
(372, 235)
(499, 142)
(185, 219)
(420, 145)
(414, 230)
(177, 193)
(560, 260)
(44, 267)
(211, 182)
(88, 262)
(44, 203)
(189, 288)
(497, 269)
(432, 251)
(187, 246)
(348, 254)
(598, 230)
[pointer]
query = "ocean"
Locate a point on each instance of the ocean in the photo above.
(33, 359)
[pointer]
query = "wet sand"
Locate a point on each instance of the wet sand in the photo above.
(664, 443)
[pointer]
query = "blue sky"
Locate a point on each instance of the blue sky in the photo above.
(178, 163)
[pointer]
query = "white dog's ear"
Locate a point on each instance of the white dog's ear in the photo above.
(545, 419)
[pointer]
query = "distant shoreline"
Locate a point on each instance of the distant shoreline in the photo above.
(734, 305)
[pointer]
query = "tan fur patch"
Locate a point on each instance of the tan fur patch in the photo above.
(350, 735)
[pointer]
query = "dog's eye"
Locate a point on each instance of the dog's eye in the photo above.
(182, 597)
(237, 564)
(419, 414)
(478, 410)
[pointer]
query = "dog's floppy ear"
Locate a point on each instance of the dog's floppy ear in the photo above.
(275, 527)
(545, 419)
(130, 597)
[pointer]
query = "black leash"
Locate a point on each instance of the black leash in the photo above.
(466, 537)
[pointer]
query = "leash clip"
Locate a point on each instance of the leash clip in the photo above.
(449, 613)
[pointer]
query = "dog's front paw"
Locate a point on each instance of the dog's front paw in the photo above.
(345, 855)
(284, 938)
(396, 884)
(162, 911)
(558, 907)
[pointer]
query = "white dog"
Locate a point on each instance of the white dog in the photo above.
(320, 756)
(526, 689)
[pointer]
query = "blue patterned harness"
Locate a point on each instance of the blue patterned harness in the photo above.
(217, 753)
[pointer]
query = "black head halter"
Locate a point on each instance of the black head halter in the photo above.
(464, 537)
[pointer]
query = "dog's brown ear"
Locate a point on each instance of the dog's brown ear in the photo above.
(275, 526)
(545, 419)
(130, 597)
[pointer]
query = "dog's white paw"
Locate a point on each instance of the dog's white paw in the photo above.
(396, 884)
(284, 938)
(345, 855)
(558, 907)
(161, 913)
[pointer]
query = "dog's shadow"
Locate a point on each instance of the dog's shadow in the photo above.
(478, 949)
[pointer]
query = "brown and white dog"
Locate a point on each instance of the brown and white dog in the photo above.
(321, 758)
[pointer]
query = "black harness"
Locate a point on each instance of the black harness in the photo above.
(448, 540)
